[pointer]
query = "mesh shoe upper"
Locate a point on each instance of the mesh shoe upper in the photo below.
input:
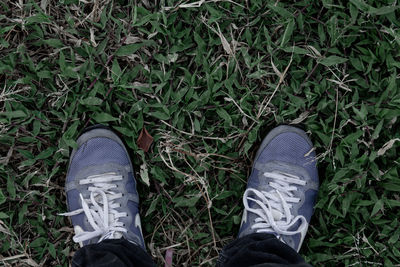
(100, 165)
(285, 177)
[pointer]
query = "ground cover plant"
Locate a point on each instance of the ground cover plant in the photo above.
(207, 80)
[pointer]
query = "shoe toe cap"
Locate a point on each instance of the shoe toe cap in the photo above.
(292, 148)
(96, 152)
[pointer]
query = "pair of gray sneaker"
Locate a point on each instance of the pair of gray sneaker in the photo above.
(103, 202)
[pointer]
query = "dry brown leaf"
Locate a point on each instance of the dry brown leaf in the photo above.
(144, 140)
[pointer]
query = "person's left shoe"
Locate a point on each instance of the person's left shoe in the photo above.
(101, 190)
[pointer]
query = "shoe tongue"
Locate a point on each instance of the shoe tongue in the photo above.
(117, 235)
(277, 215)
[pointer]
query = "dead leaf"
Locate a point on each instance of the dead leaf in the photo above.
(30, 262)
(388, 145)
(224, 42)
(301, 118)
(144, 174)
(144, 140)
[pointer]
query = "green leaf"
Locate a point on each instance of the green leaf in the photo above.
(391, 187)
(220, 211)
(288, 33)
(52, 250)
(44, 74)
(280, 11)
(159, 174)
(26, 163)
(38, 242)
(125, 131)
(362, 113)
(353, 137)
(116, 71)
(340, 174)
(61, 62)
(377, 130)
(224, 195)
(11, 188)
(199, 40)
(39, 18)
(224, 115)
(45, 153)
(153, 206)
(22, 214)
(384, 10)
(159, 115)
(13, 114)
(91, 101)
(103, 117)
(54, 43)
(71, 131)
(186, 202)
(296, 50)
(378, 206)
(394, 238)
(2, 197)
(332, 60)
(129, 49)
(361, 5)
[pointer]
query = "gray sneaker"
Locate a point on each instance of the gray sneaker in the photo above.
(101, 190)
(282, 188)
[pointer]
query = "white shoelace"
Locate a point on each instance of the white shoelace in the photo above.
(104, 220)
(274, 213)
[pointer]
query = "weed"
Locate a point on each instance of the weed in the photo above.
(207, 79)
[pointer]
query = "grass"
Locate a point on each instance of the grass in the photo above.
(207, 80)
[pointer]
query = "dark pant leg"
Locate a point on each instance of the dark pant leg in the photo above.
(259, 250)
(112, 252)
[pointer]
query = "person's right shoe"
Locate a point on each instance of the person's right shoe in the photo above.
(102, 199)
(282, 188)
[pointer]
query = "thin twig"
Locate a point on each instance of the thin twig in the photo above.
(223, 140)
(281, 79)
